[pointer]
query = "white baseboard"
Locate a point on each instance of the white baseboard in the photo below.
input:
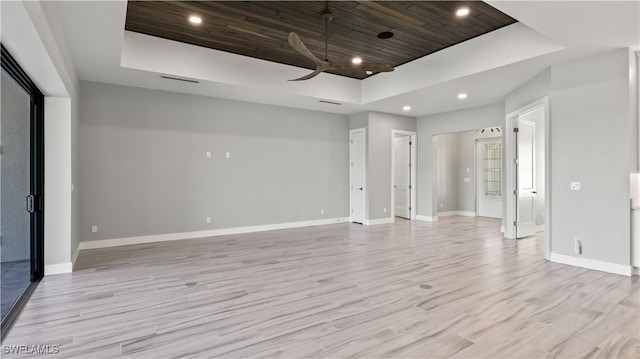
(540, 228)
(74, 258)
(373, 222)
(114, 242)
(426, 218)
(58, 268)
(591, 264)
(457, 213)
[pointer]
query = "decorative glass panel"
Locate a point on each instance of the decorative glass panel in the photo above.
(493, 170)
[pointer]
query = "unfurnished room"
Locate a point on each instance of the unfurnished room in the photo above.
(320, 179)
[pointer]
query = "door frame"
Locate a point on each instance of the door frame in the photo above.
(11, 66)
(366, 187)
(511, 175)
(414, 151)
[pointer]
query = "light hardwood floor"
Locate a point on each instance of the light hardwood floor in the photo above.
(453, 288)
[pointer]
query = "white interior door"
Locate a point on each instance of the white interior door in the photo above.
(402, 177)
(525, 178)
(489, 162)
(357, 175)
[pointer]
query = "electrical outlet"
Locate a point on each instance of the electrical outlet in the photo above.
(227, 155)
(577, 246)
(321, 211)
(575, 186)
(94, 229)
(384, 210)
(441, 205)
(208, 154)
(208, 219)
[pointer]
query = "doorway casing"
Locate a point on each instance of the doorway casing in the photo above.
(414, 145)
(510, 172)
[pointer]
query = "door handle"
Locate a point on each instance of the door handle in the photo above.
(31, 207)
(360, 188)
(534, 192)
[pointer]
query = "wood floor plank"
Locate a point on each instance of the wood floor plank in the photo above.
(449, 289)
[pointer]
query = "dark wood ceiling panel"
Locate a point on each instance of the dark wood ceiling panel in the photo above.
(260, 28)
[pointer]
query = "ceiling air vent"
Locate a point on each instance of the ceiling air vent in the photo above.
(330, 102)
(179, 79)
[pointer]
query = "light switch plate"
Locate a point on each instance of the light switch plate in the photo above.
(575, 186)
(467, 179)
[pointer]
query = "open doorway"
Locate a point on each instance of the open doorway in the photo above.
(527, 171)
(469, 173)
(403, 175)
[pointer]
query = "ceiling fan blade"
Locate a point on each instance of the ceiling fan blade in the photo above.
(311, 75)
(298, 45)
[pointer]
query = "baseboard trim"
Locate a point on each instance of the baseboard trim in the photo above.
(457, 213)
(58, 268)
(426, 218)
(373, 222)
(74, 258)
(115, 242)
(591, 264)
(540, 228)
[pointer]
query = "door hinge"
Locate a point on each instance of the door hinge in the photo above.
(409, 208)
(410, 143)
(409, 186)
(515, 160)
(515, 223)
(515, 192)
(352, 142)
(515, 129)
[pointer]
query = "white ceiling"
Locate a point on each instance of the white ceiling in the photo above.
(486, 68)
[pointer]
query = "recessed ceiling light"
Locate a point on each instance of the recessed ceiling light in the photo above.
(406, 108)
(195, 19)
(462, 96)
(356, 60)
(368, 72)
(463, 11)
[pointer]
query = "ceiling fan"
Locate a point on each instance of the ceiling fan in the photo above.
(324, 65)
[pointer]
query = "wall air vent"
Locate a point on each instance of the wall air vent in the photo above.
(179, 79)
(330, 102)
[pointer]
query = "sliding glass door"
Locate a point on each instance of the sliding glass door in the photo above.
(21, 187)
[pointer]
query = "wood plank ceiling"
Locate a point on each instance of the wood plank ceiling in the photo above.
(259, 29)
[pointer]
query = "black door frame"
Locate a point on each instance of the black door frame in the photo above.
(11, 66)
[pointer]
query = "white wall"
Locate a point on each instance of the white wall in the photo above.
(590, 120)
(33, 33)
(144, 170)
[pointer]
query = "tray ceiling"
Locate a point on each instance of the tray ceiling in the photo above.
(259, 29)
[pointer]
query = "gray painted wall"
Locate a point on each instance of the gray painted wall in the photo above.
(15, 165)
(448, 122)
(590, 120)
(590, 142)
(144, 171)
(379, 159)
(447, 171)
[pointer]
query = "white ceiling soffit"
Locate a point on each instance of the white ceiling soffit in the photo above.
(487, 67)
(23, 41)
(150, 53)
(598, 24)
(498, 48)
